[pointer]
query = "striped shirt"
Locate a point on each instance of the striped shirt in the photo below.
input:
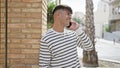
(59, 50)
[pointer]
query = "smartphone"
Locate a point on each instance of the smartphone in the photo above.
(69, 25)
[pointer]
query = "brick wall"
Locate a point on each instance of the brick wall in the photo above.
(2, 33)
(26, 23)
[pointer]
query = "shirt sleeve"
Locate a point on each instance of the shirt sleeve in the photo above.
(83, 40)
(44, 56)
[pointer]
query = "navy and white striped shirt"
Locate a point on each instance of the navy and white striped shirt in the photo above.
(59, 50)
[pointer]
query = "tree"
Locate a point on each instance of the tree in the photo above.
(50, 6)
(76, 20)
(90, 59)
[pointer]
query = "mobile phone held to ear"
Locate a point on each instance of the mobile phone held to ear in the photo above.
(69, 25)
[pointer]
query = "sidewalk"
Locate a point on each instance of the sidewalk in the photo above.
(111, 64)
(108, 56)
(104, 64)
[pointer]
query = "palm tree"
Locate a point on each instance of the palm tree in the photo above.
(90, 59)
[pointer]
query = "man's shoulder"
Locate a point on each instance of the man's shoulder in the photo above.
(49, 31)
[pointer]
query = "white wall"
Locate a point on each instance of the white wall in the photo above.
(101, 17)
(98, 30)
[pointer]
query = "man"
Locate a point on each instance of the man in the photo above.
(58, 48)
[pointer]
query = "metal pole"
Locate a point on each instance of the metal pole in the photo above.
(6, 32)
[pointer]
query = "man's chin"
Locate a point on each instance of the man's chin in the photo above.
(67, 24)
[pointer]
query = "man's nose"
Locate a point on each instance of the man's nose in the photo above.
(70, 17)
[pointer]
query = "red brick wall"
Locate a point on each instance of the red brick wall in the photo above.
(26, 23)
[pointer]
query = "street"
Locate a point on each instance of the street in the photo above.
(107, 50)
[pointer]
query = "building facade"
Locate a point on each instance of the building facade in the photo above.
(27, 20)
(114, 18)
(101, 18)
(58, 2)
(107, 15)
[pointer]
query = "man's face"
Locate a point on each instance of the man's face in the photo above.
(66, 17)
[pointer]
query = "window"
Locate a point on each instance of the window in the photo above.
(118, 9)
(113, 11)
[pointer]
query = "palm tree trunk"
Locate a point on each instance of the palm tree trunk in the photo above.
(90, 59)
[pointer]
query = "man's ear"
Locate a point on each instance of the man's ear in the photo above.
(60, 12)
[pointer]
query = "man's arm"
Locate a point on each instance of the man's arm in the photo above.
(83, 40)
(44, 57)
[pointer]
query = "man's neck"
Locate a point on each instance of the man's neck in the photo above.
(58, 27)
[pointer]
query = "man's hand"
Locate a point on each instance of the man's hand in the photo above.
(74, 26)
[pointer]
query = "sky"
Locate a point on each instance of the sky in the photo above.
(79, 5)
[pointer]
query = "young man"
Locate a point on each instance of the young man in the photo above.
(58, 48)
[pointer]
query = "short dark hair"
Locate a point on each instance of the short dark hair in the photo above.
(62, 7)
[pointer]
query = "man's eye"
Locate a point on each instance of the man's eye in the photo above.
(69, 14)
